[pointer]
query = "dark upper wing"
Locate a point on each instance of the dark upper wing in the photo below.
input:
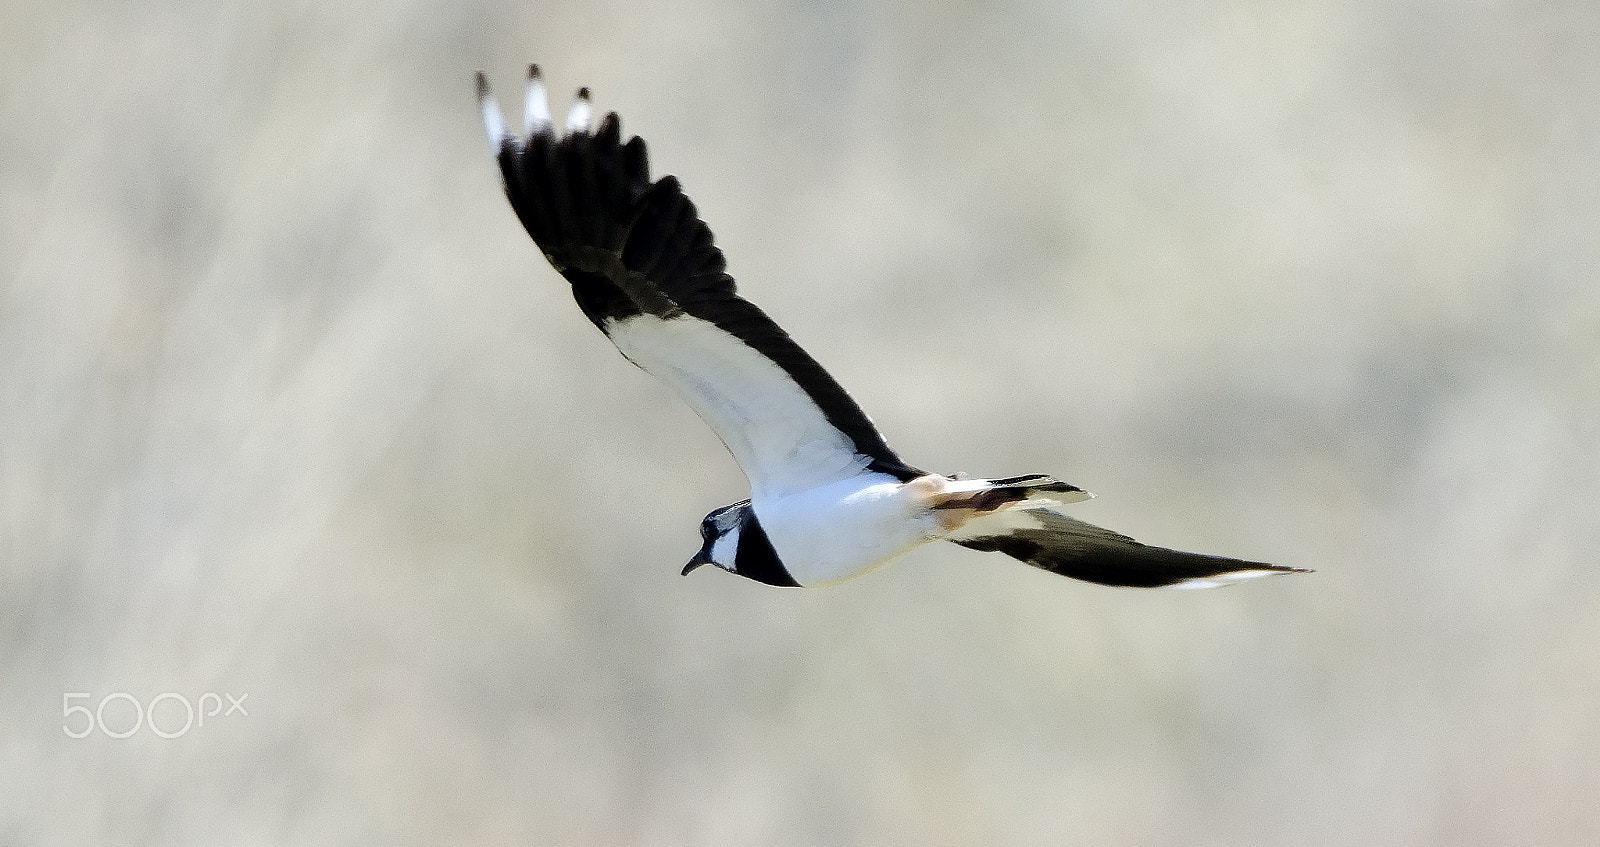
(645, 269)
(1067, 546)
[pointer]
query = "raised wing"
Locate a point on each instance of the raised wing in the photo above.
(645, 269)
(1050, 540)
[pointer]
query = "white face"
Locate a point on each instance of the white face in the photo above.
(719, 534)
(725, 549)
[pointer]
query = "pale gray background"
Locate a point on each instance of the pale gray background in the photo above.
(293, 409)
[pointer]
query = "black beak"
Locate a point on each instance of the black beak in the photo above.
(701, 558)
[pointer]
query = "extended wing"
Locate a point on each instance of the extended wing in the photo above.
(645, 269)
(1067, 546)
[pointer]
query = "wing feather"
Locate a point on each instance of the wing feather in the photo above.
(1060, 544)
(639, 257)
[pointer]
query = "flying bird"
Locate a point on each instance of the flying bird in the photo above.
(829, 500)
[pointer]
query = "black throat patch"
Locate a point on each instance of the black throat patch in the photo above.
(755, 557)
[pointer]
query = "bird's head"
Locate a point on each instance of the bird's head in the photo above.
(732, 539)
(719, 537)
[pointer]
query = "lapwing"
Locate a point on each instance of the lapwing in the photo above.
(829, 500)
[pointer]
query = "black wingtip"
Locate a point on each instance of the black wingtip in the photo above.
(483, 85)
(583, 93)
(533, 71)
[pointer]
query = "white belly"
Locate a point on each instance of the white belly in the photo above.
(844, 529)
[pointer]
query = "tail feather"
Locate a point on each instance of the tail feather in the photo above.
(1067, 546)
(988, 495)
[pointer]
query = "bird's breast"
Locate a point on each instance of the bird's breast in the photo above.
(843, 530)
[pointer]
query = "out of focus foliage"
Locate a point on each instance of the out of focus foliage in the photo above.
(290, 407)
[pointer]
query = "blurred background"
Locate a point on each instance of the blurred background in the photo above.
(291, 409)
